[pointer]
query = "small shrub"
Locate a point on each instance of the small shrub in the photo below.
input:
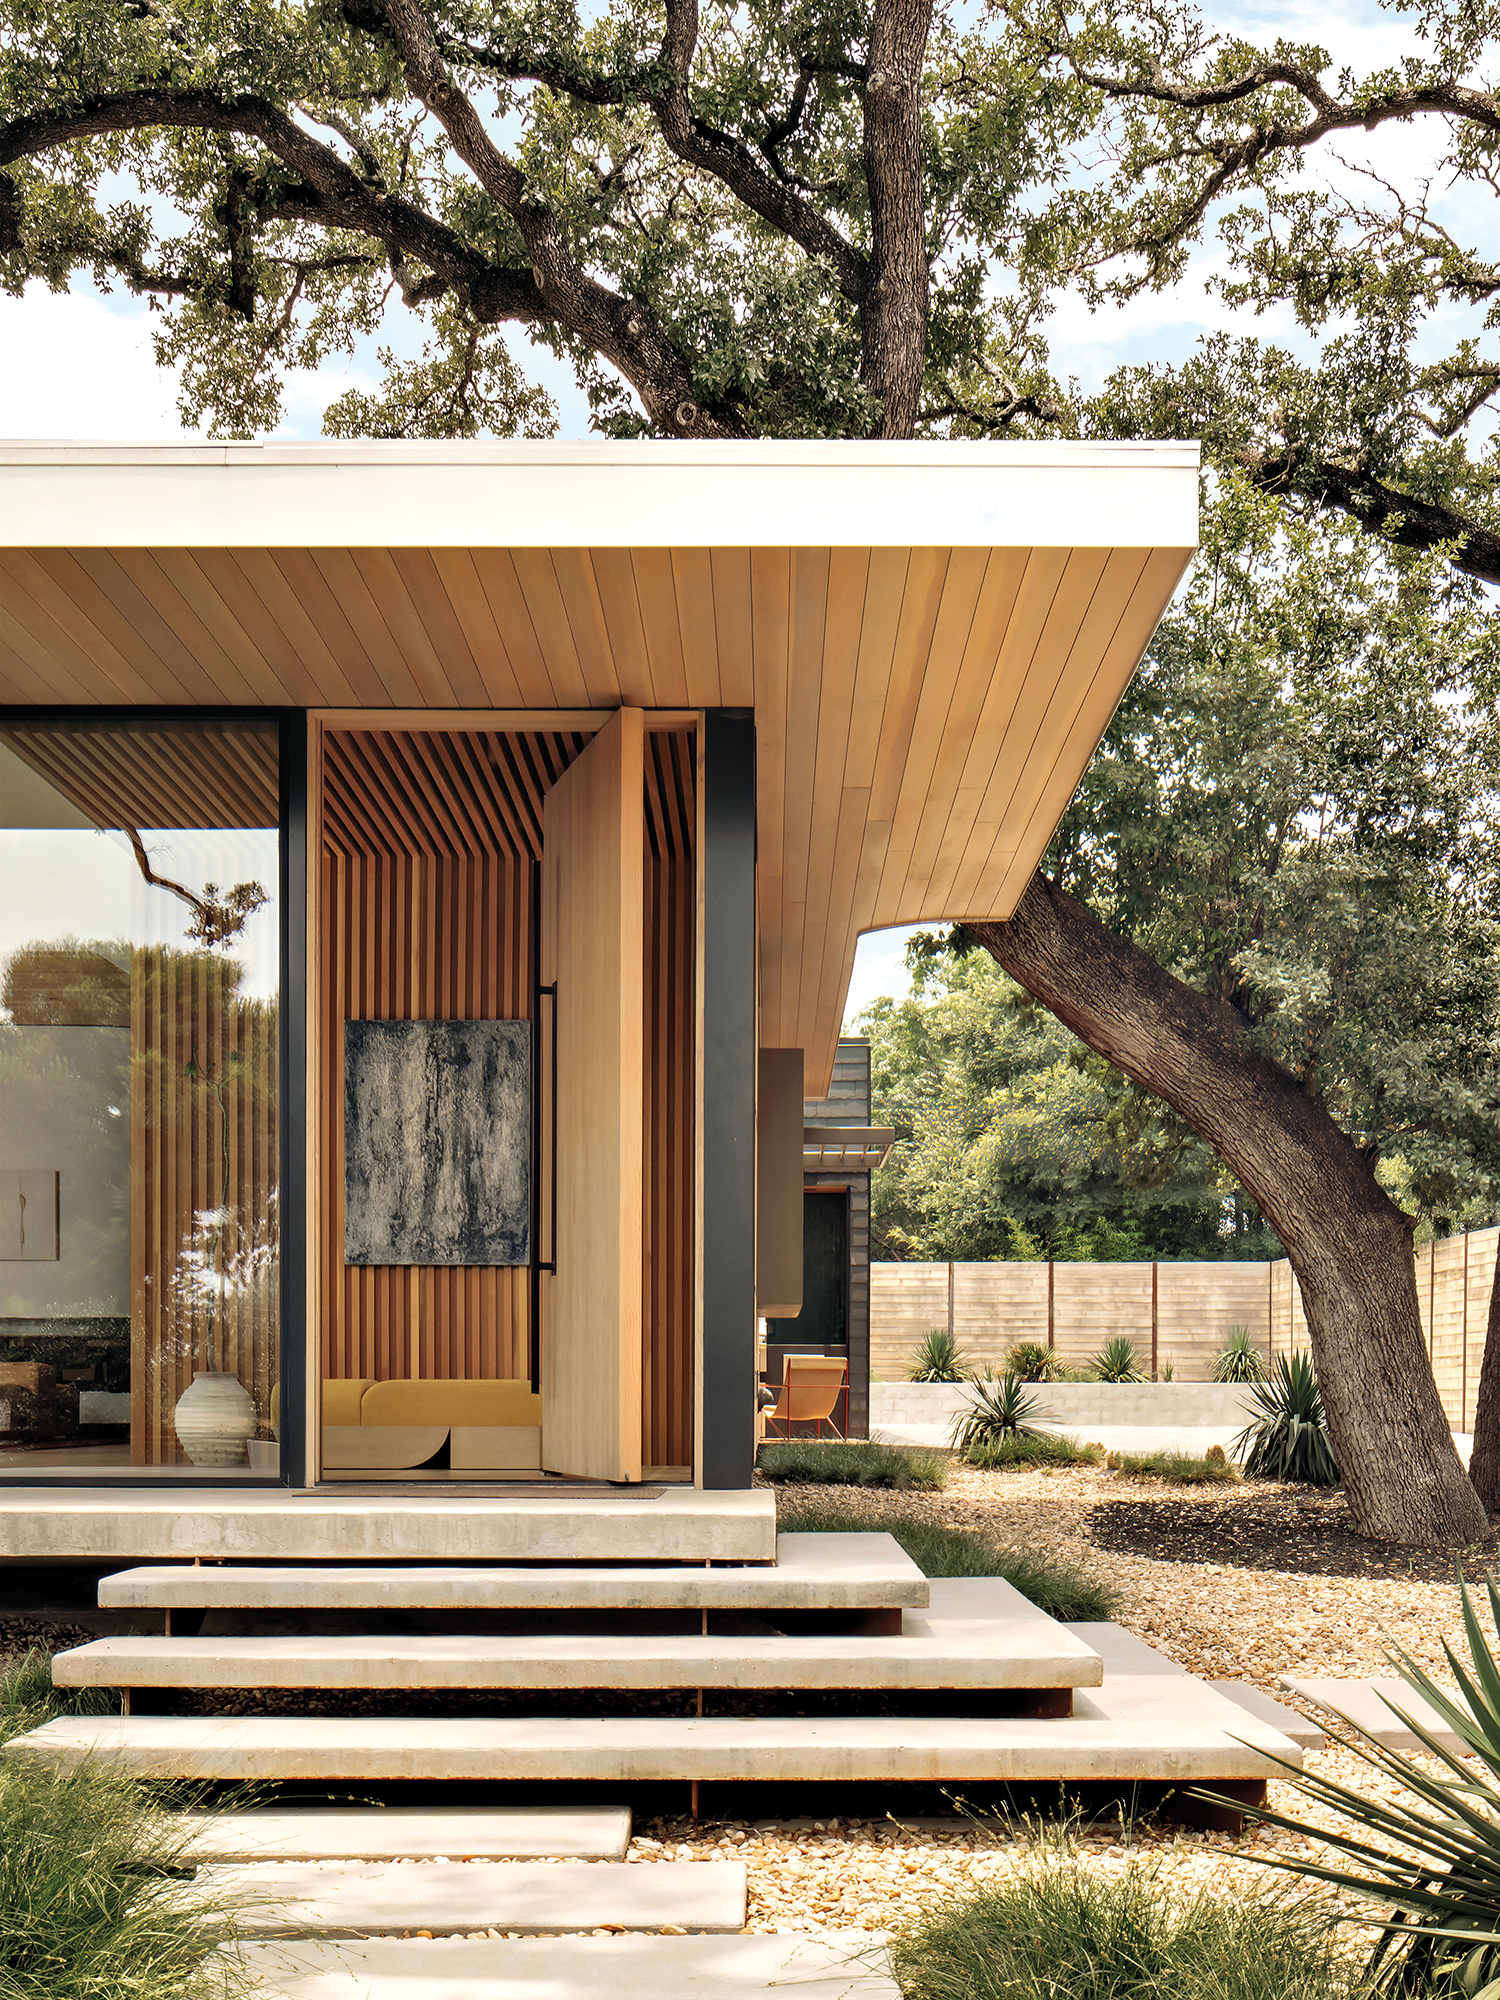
(851, 1462)
(1030, 1361)
(1116, 1361)
(1215, 1455)
(1008, 1454)
(937, 1358)
(1177, 1466)
(1288, 1437)
(938, 1550)
(1068, 1929)
(1238, 1360)
(997, 1410)
(1167, 1372)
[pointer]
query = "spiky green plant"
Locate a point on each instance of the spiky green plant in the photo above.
(936, 1357)
(1288, 1438)
(997, 1410)
(1030, 1361)
(1430, 1858)
(1238, 1360)
(1116, 1361)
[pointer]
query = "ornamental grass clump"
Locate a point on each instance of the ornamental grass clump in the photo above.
(1030, 1361)
(1179, 1468)
(1063, 1930)
(939, 1550)
(937, 1357)
(1287, 1438)
(1238, 1360)
(1428, 1854)
(848, 1462)
(1117, 1361)
(96, 1898)
(1016, 1454)
(997, 1411)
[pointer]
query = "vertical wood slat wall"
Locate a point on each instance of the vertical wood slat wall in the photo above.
(203, 1145)
(670, 1016)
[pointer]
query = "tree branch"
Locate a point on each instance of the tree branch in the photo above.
(1394, 516)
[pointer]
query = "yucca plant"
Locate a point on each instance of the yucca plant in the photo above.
(1288, 1437)
(1238, 1360)
(937, 1358)
(1116, 1361)
(998, 1410)
(1431, 1858)
(1030, 1361)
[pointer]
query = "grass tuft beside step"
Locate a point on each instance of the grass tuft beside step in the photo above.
(938, 1550)
(851, 1462)
(1017, 1454)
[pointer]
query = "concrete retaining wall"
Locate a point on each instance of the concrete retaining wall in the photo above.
(1071, 1403)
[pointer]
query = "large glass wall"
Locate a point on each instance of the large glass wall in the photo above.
(140, 985)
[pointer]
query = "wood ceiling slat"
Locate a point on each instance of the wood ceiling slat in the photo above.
(884, 593)
(348, 588)
(136, 614)
(392, 599)
(472, 609)
(693, 589)
(920, 604)
(40, 655)
(384, 757)
(656, 592)
(440, 625)
(231, 572)
(310, 587)
(356, 819)
(614, 577)
(848, 578)
(734, 637)
(219, 775)
(188, 570)
(809, 629)
(508, 607)
(449, 809)
(770, 592)
(289, 637)
(579, 591)
(464, 754)
(156, 583)
(53, 580)
(549, 621)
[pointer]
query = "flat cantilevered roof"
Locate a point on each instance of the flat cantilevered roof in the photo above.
(933, 636)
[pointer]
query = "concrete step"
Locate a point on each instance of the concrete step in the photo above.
(1288, 1720)
(1152, 1727)
(390, 1833)
(845, 1965)
(659, 1524)
(978, 1633)
(385, 1899)
(1368, 1704)
(853, 1572)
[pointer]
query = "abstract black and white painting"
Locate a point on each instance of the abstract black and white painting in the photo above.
(437, 1142)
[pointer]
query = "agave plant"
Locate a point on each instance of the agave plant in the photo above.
(999, 1410)
(1238, 1360)
(936, 1358)
(1288, 1436)
(1116, 1361)
(1431, 1858)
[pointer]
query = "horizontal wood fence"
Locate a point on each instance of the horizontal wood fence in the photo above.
(1178, 1315)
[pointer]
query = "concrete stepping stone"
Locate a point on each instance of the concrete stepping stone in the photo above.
(1147, 1726)
(840, 1572)
(844, 1965)
(1266, 1708)
(977, 1633)
(390, 1833)
(1363, 1703)
(382, 1899)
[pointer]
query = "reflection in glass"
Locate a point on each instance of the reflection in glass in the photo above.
(139, 989)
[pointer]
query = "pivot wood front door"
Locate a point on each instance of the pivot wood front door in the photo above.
(593, 881)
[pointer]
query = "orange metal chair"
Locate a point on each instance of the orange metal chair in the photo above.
(809, 1393)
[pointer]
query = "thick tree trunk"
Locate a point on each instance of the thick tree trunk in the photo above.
(1484, 1465)
(1348, 1243)
(893, 316)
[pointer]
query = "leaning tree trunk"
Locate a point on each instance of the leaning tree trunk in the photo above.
(1484, 1464)
(1348, 1243)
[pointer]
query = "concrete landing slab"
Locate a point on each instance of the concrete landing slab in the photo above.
(977, 1633)
(667, 1524)
(1266, 1708)
(847, 1965)
(388, 1833)
(1363, 1704)
(1146, 1726)
(853, 1572)
(382, 1899)
(1121, 1651)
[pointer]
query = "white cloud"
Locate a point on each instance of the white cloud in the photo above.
(80, 367)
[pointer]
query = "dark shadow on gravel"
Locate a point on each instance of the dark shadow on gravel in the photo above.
(1297, 1531)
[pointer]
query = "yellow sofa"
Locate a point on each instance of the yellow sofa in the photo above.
(492, 1428)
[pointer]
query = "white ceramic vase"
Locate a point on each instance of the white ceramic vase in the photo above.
(214, 1418)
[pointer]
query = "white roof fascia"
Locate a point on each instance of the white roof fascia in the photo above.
(776, 494)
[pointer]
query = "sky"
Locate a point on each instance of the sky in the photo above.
(80, 364)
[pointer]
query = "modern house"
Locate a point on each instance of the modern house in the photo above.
(431, 881)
